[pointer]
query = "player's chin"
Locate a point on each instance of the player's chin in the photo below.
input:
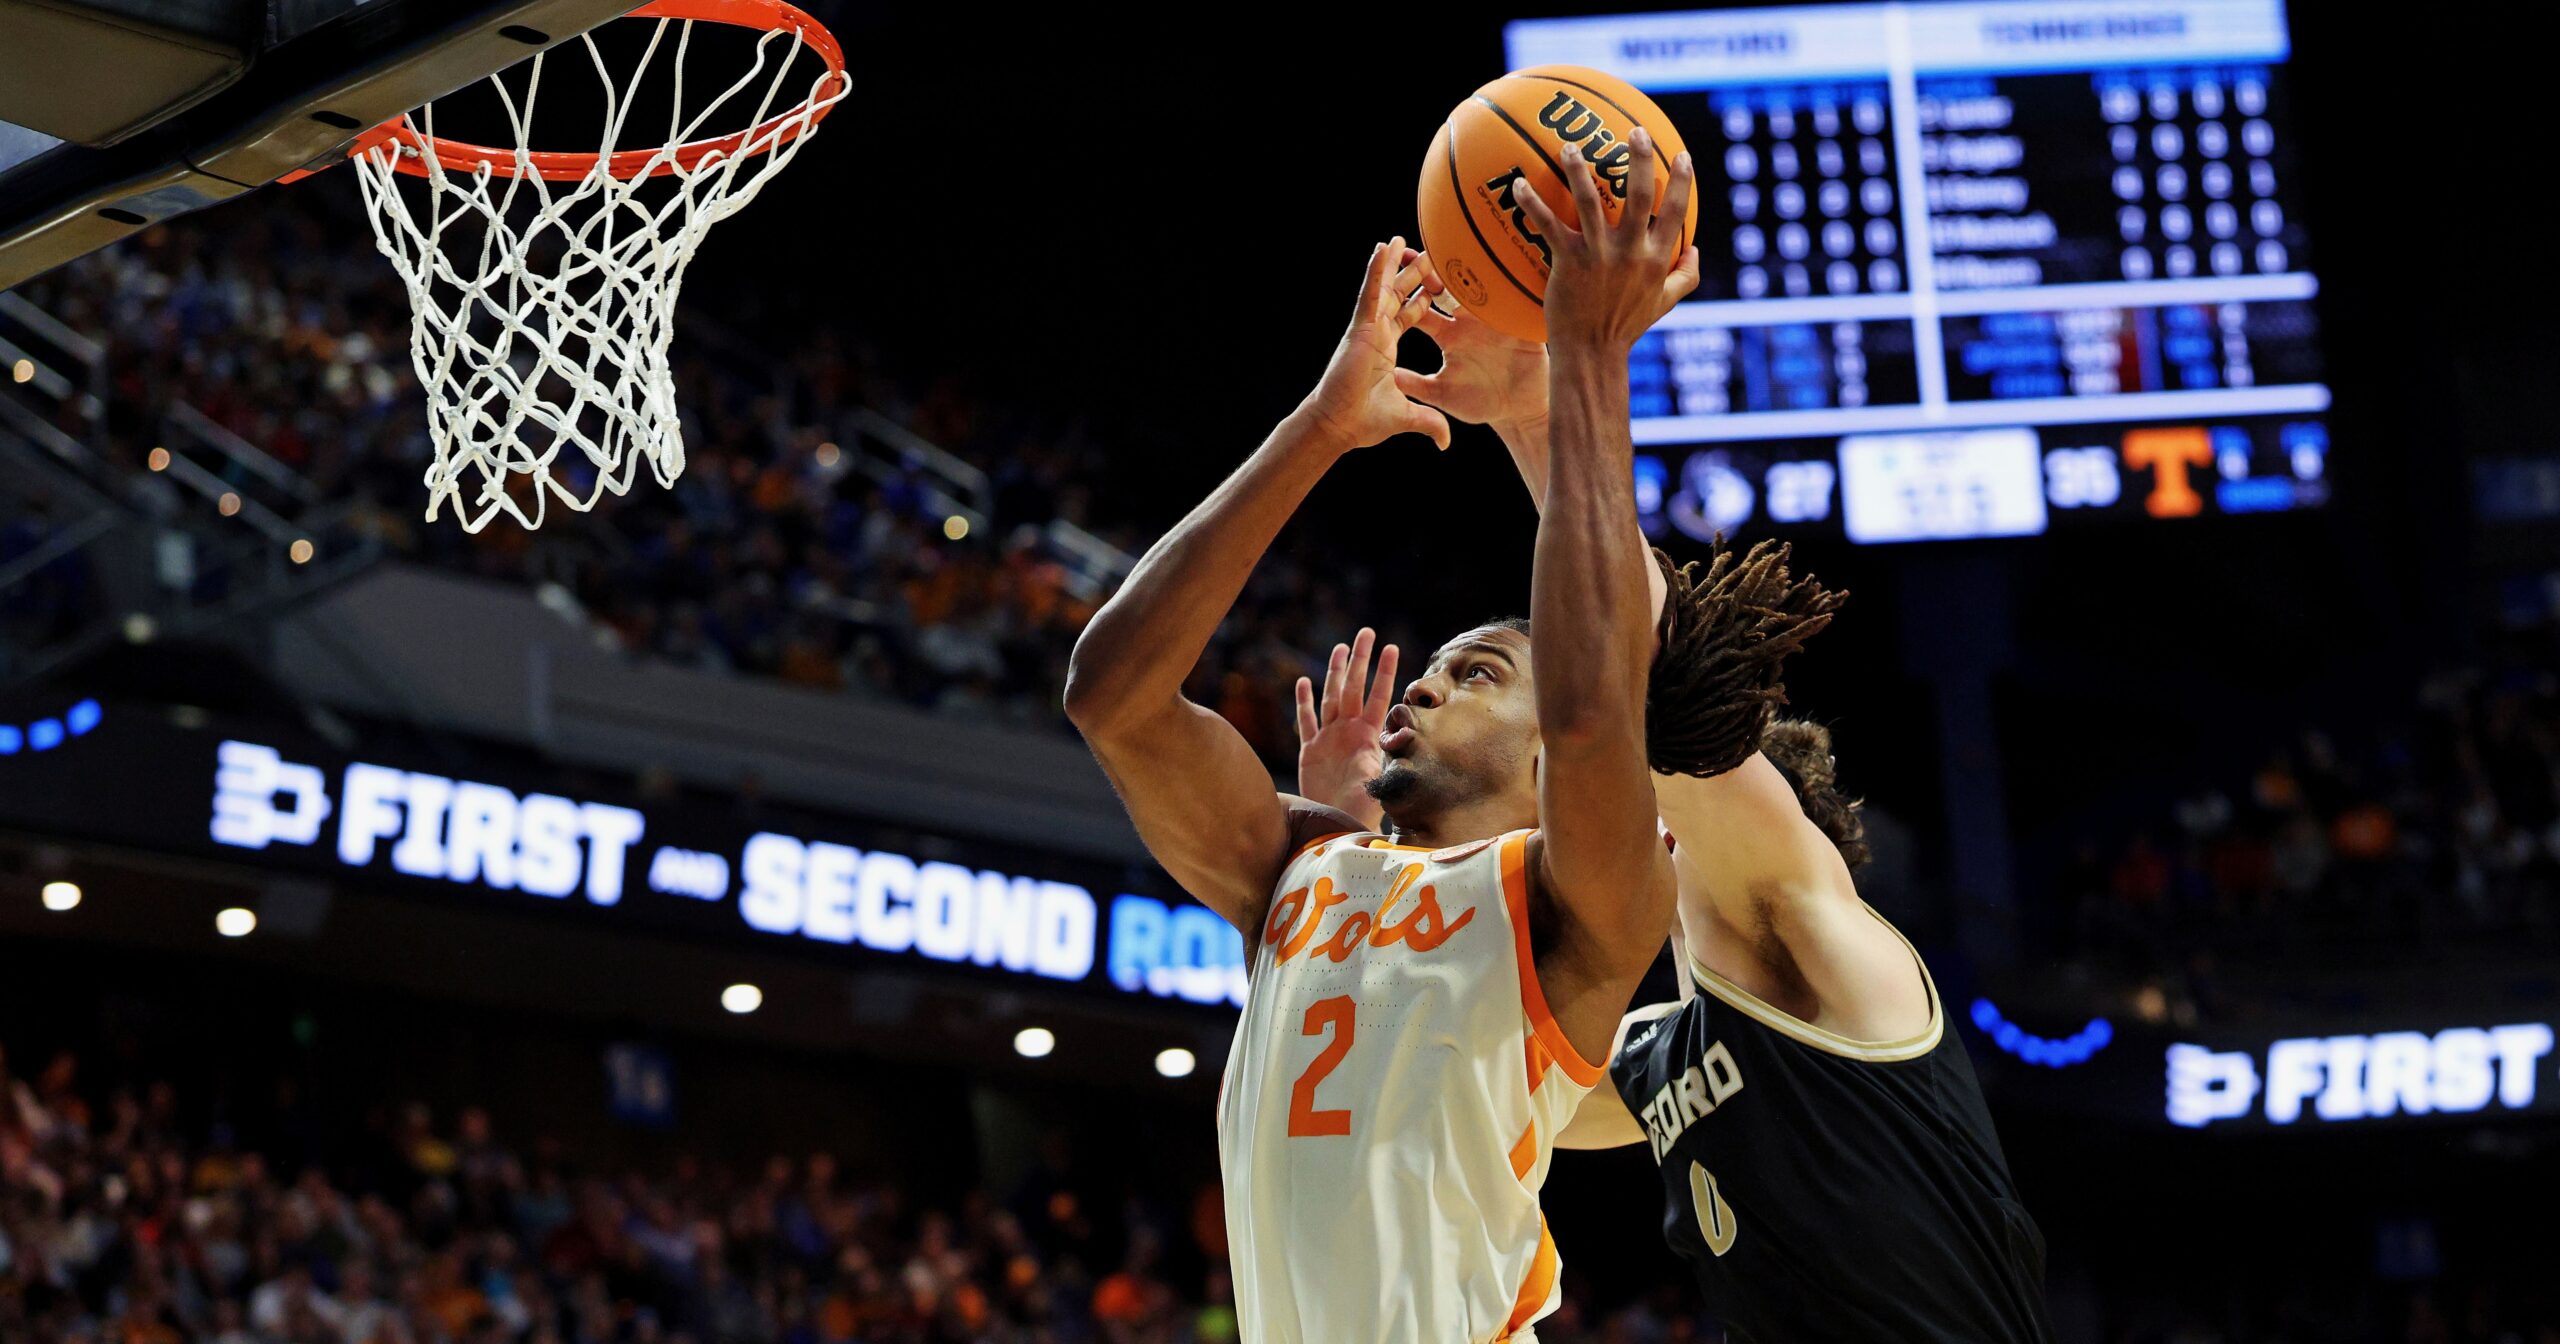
(1397, 783)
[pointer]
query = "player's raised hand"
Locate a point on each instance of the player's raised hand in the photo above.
(1357, 400)
(1485, 377)
(1613, 279)
(1338, 751)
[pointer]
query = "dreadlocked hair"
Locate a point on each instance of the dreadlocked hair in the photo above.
(1801, 749)
(1728, 622)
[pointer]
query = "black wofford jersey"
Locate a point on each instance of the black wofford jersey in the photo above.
(1826, 1189)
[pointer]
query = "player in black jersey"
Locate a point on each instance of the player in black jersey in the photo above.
(1824, 1184)
(1830, 1168)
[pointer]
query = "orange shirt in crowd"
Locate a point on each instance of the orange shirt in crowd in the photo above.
(1120, 1300)
(2365, 831)
(456, 1306)
(1209, 1221)
(145, 1330)
(805, 663)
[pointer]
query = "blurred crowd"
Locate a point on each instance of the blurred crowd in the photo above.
(133, 1215)
(2496, 1310)
(2437, 824)
(793, 546)
(126, 1218)
(119, 1224)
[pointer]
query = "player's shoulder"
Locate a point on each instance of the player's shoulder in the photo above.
(1510, 844)
(1313, 825)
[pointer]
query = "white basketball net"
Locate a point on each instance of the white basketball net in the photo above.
(543, 309)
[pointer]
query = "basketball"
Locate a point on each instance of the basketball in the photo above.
(1514, 129)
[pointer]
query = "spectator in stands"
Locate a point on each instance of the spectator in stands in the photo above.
(154, 1233)
(2446, 826)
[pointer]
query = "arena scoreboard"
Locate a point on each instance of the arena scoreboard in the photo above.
(1974, 269)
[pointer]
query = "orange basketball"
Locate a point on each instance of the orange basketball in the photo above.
(1516, 129)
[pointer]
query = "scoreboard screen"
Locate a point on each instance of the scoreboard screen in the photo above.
(1972, 269)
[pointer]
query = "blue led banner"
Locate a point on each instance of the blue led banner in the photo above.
(831, 886)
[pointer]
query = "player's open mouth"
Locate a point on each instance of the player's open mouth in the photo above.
(1397, 735)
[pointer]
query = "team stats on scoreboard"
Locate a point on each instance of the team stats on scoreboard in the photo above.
(1974, 269)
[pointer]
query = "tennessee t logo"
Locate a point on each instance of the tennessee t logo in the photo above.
(2168, 453)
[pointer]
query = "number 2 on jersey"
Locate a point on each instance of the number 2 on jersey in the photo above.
(1305, 1121)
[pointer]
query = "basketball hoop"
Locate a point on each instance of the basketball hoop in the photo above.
(544, 284)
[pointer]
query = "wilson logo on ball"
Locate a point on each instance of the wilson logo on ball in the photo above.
(1575, 123)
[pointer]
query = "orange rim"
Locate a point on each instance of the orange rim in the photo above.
(770, 16)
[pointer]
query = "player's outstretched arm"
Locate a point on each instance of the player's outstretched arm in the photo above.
(1751, 863)
(1752, 867)
(1763, 888)
(1759, 879)
(1199, 797)
(1599, 859)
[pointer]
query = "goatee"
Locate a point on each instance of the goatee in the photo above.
(1398, 783)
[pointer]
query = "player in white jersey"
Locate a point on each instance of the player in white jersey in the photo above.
(1424, 1010)
(1869, 1129)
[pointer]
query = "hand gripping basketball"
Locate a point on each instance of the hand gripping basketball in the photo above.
(1356, 402)
(1614, 278)
(1485, 377)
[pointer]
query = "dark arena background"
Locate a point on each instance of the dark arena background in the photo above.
(783, 969)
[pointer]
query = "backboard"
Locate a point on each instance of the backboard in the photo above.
(116, 114)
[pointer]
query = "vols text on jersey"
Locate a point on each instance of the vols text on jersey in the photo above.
(1296, 915)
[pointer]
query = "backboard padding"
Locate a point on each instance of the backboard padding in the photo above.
(300, 104)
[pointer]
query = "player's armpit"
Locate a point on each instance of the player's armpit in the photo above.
(1603, 1120)
(1749, 859)
(1867, 979)
(1203, 803)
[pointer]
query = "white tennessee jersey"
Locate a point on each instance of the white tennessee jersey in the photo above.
(1392, 1100)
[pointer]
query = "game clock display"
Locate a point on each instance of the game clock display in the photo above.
(1974, 269)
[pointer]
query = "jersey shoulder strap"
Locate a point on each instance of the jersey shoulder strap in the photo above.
(1805, 1033)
